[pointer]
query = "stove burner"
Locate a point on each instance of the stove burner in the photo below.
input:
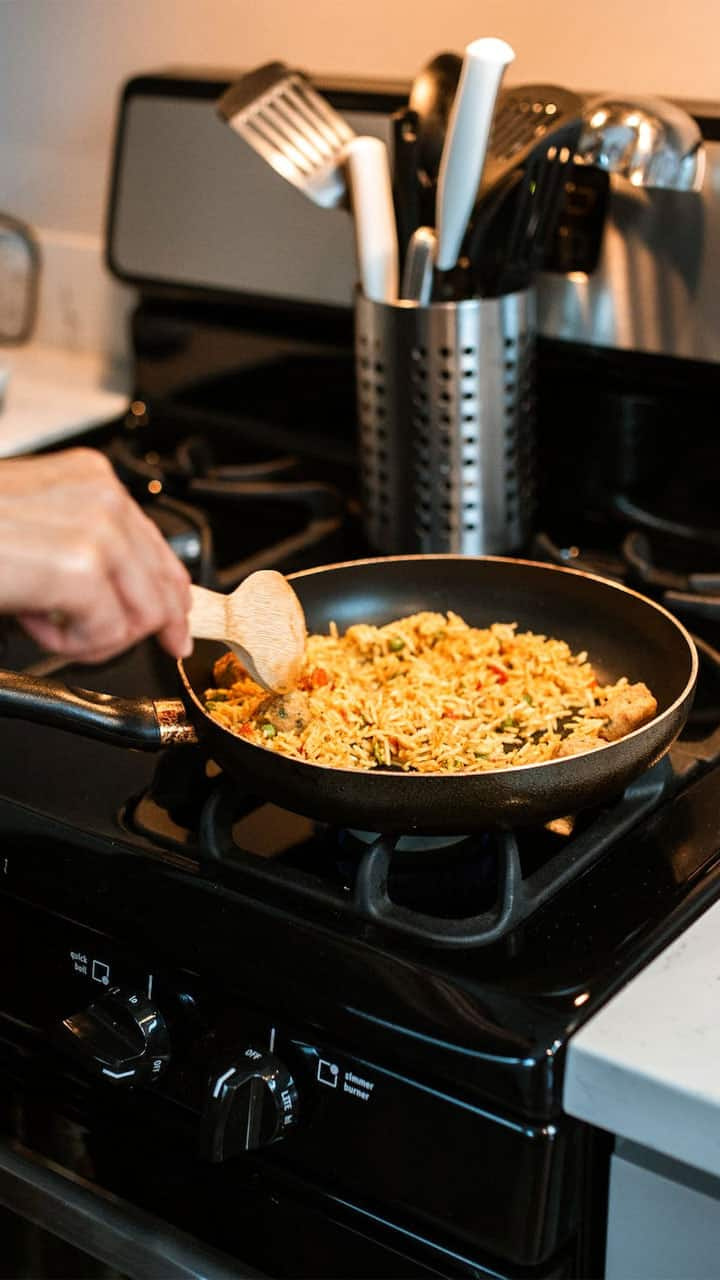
(674, 565)
(227, 508)
(448, 891)
(410, 844)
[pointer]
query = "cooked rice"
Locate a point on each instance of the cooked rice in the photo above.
(428, 694)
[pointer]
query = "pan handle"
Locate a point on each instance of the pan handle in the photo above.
(129, 722)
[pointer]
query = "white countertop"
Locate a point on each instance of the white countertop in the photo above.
(647, 1066)
(52, 395)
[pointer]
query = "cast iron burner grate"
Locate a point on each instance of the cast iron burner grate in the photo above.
(462, 892)
(497, 856)
(675, 563)
(228, 508)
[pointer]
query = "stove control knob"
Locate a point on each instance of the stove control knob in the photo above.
(251, 1103)
(121, 1037)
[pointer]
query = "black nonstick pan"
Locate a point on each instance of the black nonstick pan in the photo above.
(623, 632)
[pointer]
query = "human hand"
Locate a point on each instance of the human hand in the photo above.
(85, 571)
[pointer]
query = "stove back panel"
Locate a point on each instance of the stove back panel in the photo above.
(193, 207)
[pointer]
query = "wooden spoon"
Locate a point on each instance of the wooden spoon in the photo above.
(262, 622)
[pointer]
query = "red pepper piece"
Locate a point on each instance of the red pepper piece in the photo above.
(502, 676)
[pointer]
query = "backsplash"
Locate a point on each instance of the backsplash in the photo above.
(81, 308)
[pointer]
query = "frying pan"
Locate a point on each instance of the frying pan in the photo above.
(623, 632)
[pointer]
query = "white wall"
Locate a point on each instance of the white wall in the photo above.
(62, 63)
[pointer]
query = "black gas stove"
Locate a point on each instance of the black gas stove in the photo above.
(235, 1041)
(301, 1049)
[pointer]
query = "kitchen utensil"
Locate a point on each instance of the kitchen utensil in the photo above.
(577, 241)
(540, 197)
(406, 179)
(446, 415)
(623, 632)
(279, 113)
(431, 97)
(529, 120)
(417, 277)
(468, 131)
(490, 221)
(525, 223)
(262, 622)
(649, 141)
(373, 217)
(306, 141)
(524, 117)
(466, 135)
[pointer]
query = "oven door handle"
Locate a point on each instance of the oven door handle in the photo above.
(106, 1228)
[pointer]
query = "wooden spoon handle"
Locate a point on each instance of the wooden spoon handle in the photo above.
(208, 614)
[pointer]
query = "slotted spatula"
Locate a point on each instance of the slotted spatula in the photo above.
(283, 117)
(291, 126)
(506, 258)
(524, 117)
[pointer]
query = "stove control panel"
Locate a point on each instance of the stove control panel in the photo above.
(190, 1065)
(244, 1098)
(121, 1037)
(250, 1103)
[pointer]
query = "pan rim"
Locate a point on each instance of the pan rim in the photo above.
(513, 770)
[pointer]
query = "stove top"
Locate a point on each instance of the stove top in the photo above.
(474, 972)
(229, 506)
(457, 967)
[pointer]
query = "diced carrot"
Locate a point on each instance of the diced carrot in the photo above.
(502, 676)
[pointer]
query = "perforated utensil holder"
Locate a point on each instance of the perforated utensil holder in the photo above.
(446, 414)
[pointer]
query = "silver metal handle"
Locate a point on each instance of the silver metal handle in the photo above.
(104, 1227)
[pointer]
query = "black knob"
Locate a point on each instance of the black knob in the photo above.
(121, 1037)
(251, 1103)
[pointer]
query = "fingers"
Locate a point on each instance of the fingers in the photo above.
(154, 584)
(92, 625)
(60, 640)
(53, 474)
(78, 543)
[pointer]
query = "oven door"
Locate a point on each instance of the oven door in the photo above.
(57, 1223)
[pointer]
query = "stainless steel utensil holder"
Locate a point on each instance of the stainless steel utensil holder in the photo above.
(446, 413)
